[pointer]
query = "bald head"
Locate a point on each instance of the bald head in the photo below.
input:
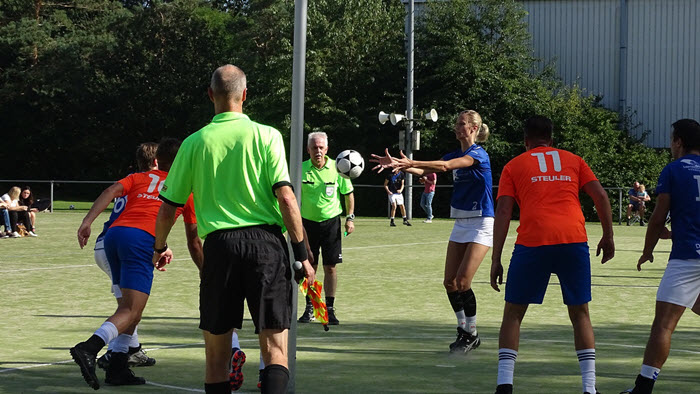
(228, 82)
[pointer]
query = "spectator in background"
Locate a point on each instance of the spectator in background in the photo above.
(6, 221)
(636, 204)
(426, 199)
(643, 195)
(18, 214)
(26, 199)
(393, 184)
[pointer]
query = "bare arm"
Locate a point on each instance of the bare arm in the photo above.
(194, 245)
(164, 223)
(102, 202)
(292, 220)
(386, 186)
(349, 210)
(504, 212)
(655, 228)
(427, 167)
(602, 206)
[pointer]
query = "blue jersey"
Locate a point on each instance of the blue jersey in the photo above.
(117, 209)
(473, 188)
(681, 180)
(395, 181)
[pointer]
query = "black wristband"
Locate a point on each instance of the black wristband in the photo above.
(299, 250)
(161, 250)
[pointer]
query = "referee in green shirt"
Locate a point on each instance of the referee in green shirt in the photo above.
(243, 199)
(321, 188)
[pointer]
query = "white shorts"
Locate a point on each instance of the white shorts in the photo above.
(478, 230)
(680, 284)
(396, 198)
(103, 263)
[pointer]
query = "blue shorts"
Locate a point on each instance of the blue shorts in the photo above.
(531, 267)
(130, 253)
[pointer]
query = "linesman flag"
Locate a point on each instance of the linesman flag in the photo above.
(314, 293)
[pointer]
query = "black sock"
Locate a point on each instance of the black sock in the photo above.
(94, 344)
(330, 301)
(274, 379)
(469, 302)
(218, 388)
(455, 301)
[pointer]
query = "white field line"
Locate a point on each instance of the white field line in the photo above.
(61, 267)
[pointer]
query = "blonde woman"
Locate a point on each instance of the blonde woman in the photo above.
(472, 207)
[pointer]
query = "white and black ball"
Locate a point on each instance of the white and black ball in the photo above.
(349, 164)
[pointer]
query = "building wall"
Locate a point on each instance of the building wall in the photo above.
(660, 82)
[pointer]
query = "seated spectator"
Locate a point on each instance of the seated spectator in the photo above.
(636, 204)
(26, 199)
(18, 214)
(5, 220)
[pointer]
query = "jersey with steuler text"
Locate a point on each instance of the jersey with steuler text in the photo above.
(681, 180)
(143, 204)
(545, 183)
(472, 194)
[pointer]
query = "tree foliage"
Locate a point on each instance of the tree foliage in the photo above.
(82, 82)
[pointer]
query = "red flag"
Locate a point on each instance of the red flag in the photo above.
(314, 293)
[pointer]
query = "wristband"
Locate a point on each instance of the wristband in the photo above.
(350, 217)
(299, 250)
(161, 250)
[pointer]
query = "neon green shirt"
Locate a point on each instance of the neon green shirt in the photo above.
(321, 190)
(232, 166)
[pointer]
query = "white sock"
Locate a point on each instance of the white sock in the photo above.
(107, 332)
(586, 360)
(262, 363)
(649, 372)
(471, 325)
(135, 338)
(121, 344)
(506, 365)
(234, 340)
(461, 319)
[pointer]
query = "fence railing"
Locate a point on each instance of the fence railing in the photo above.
(621, 191)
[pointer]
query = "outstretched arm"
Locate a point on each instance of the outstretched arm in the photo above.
(602, 206)
(426, 167)
(102, 202)
(504, 212)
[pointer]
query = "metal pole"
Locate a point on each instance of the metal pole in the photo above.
(622, 71)
(295, 156)
(619, 216)
(51, 210)
(409, 106)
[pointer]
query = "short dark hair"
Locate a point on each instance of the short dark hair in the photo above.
(688, 131)
(145, 154)
(538, 127)
(167, 150)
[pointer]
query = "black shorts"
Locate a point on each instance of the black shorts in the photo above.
(325, 235)
(249, 263)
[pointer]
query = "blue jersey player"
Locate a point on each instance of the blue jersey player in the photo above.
(472, 207)
(678, 191)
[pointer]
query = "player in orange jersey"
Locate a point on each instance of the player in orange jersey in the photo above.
(545, 183)
(129, 248)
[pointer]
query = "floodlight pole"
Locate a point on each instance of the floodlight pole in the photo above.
(295, 156)
(409, 105)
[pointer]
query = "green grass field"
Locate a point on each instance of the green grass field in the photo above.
(396, 322)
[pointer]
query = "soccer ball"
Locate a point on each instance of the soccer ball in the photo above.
(349, 164)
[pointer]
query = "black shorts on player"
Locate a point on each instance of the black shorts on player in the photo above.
(325, 236)
(245, 264)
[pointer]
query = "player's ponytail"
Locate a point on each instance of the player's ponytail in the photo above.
(483, 134)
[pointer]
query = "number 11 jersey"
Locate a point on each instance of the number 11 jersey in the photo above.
(545, 182)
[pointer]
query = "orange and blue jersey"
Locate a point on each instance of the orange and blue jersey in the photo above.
(141, 210)
(545, 182)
